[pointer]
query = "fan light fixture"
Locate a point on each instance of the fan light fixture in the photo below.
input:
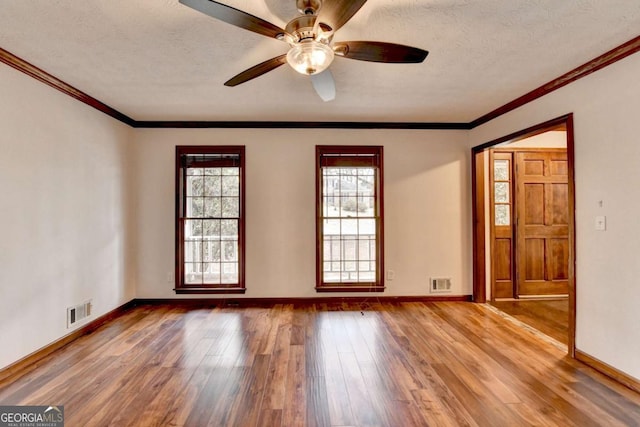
(310, 40)
(310, 57)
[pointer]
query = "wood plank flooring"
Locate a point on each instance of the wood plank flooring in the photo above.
(341, 364)
(549, 316)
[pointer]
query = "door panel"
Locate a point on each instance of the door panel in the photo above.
(542, 230)
(534, 209)
(501, 201)
(559, 200)
(534, 262)
(558, 268)
(503, 284)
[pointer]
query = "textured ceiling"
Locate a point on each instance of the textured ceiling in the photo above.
(160, 60)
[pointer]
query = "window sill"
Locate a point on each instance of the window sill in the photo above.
(210, 290)
(350, 288)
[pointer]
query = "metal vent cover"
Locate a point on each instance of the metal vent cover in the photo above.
(440, 284)
(77, 313)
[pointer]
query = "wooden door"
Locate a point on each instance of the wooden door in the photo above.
(501, 202)
(542, 223)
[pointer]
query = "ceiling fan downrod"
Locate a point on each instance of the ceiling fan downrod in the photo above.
(308, 7)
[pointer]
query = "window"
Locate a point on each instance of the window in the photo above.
(501, 189)
(209, 219)
(349, 218)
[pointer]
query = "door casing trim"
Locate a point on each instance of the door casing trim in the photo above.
(479, 214)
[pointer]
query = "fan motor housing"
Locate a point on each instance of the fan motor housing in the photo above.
(301, 27)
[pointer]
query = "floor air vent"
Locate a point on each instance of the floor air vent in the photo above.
(440, 285)
(77, 313)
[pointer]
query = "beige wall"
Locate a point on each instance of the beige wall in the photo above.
(63, 218)
(551, 139)
(427, 213)
(606, 107)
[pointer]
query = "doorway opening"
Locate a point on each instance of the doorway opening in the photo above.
(524, 239)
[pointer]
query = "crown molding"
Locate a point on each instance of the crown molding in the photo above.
(614, 55)
(37, 73)
(298, 125)
(604, 60)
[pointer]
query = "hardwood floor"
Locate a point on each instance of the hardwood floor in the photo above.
(549, 316)
(342, 364)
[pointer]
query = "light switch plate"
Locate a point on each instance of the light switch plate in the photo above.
(601, 223)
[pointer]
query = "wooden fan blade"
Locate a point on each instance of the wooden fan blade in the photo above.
(380, 52)
(336, 13)
(257, 70)
(235, 17)
(324, 85)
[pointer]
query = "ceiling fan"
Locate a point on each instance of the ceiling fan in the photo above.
(310, 37)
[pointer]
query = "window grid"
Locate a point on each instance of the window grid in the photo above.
(211, 243)
(502, 192)
(350, 221)
(210, 235)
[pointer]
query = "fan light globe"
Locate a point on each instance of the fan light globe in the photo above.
(310, 57)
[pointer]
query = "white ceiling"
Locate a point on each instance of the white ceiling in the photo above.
(160, 60)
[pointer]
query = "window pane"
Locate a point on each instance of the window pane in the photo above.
(350, 266)
(365, 184)
(331, 227)
(363, 248)
(192, 250)
(210, 228)
(194, 171)
(212, 186)
(331, 181)
(195, 186)
(229, 251)
(230, 171)
(230, 185)
(501, 193)
(349, 206)
(336, 250)
(192, 228)
(230, 207)
(211, 250)
(212, 171)
(211, 273)
(350, 249)
(503, 216)
(192, 273)
(331, 206)
(229, 272)
(367, 227)
(367, 276)
(366, 207)
(501, 170)
(212, 207)
(229, 229)
(195, 207)
(326, 266)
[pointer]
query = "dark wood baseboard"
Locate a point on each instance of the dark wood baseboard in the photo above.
(247, 302)
(20, 365)
(203, 291)
(608, 370)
